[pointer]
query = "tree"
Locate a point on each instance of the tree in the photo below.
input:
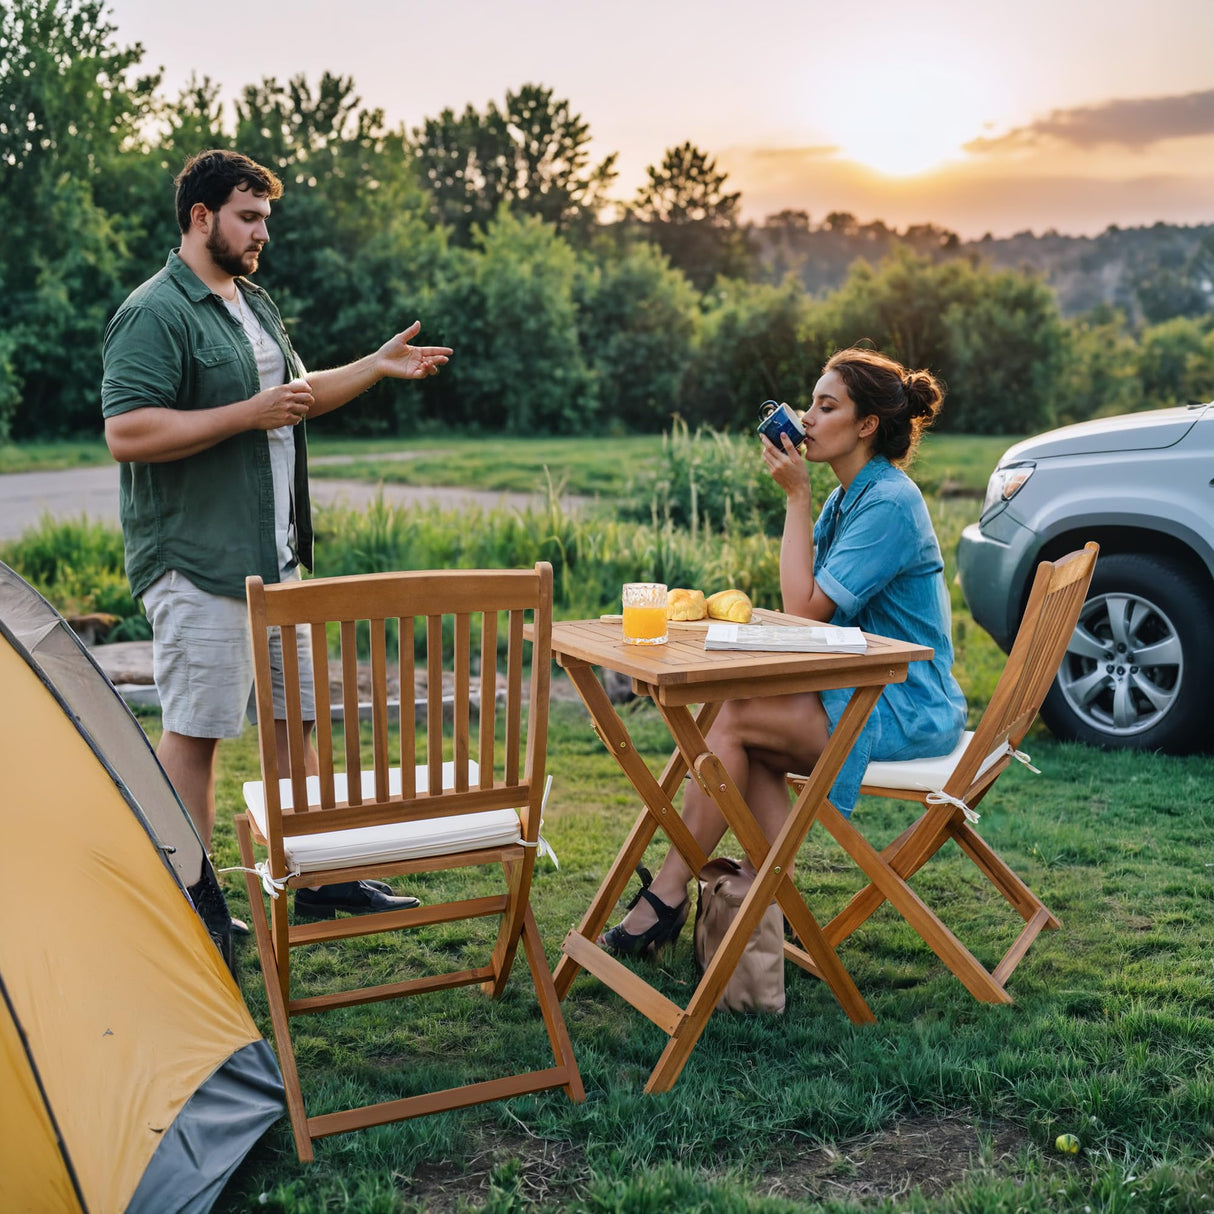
(351, 257)
(755, 343)
(463, 162)
(532, 155)
(788, 225)
(637, 320)
(898, 306)
(928, 238)
(782, 243)
(687, 188)
(195, 123)
(68, 96)
(1163, 293)
(76, 175)
(996, 338)
(1100, 370)
(1006, 354)
(685, 208)
(1175, 364)
(552, 178)
(507, 307)
(842, 223)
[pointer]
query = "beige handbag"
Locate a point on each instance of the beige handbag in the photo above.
(757, 983)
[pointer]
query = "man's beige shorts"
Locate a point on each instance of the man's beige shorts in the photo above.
(202, 660)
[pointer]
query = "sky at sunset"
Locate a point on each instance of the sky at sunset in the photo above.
(996, 116)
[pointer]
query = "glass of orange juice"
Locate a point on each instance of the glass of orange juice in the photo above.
(644, 613)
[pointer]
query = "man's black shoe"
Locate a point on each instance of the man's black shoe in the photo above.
(353, 897)
(239, 927)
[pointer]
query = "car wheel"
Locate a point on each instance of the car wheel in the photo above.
(1137, 671)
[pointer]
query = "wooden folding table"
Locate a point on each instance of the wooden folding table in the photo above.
(678, 676)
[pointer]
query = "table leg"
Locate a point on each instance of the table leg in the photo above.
(657, 795)
(771, 864)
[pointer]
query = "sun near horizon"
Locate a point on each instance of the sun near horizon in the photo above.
(904, 108)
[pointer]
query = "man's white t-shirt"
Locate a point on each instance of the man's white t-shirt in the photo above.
(272, 371)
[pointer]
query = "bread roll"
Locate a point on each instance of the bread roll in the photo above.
(686, 605)
(731, 605)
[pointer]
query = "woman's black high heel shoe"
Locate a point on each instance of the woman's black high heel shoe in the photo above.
(665, 931)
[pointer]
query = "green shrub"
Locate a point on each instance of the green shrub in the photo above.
(78, 566)
(706, 480)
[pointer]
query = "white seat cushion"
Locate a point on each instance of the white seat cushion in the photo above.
(397, 840)
(925, 775)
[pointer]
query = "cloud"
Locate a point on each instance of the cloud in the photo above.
(989, 194)
(1134, 123)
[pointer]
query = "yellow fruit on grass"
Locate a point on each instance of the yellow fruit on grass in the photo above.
(1067, 1143)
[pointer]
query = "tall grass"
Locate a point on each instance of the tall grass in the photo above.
(79, 565)
(702, 512)
(592, 551)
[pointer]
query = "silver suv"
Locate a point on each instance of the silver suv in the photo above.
(1139, 671)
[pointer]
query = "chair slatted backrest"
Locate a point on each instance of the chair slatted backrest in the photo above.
(441, 612)
(1055, 601)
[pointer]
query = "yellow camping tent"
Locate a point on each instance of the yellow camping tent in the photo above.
(134, 1078)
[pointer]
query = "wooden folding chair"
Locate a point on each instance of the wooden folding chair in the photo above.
(952, 786)
(404, 812)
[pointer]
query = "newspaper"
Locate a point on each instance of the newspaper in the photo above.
(796, 638)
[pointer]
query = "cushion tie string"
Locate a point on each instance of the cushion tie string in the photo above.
(542, 846)
(271, 884)
(940, 797)
(1021, 757)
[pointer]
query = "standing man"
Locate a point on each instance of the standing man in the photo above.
(203, 396)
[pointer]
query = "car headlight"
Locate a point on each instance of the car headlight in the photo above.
(1005, 483)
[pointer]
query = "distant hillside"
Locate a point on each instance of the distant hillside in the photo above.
(1150, 273)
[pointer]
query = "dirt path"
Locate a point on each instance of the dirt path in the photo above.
(25, 497)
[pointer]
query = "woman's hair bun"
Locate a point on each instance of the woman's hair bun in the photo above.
(923, 396)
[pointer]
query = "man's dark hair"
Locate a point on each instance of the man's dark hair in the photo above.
(210, 177)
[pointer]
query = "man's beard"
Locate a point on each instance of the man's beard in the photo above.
(226, 257)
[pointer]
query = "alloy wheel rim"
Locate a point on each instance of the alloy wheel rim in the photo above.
(1124, 665)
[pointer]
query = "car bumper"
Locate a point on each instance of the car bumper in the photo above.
(993, 558)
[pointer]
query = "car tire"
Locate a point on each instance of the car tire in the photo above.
(1109, 692)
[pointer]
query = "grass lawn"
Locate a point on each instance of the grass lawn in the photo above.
(944, 1104)
(590, 466)
(960, 462)
(596, 465)
(603, 466)
(54, 456)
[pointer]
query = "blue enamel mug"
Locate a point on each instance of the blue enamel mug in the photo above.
(780, 419)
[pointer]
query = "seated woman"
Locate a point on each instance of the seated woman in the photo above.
(870, 561)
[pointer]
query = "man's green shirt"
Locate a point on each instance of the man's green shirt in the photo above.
(174, 345)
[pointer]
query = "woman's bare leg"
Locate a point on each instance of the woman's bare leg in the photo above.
(758, 741)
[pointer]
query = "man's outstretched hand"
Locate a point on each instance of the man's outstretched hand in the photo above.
(400, 360)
